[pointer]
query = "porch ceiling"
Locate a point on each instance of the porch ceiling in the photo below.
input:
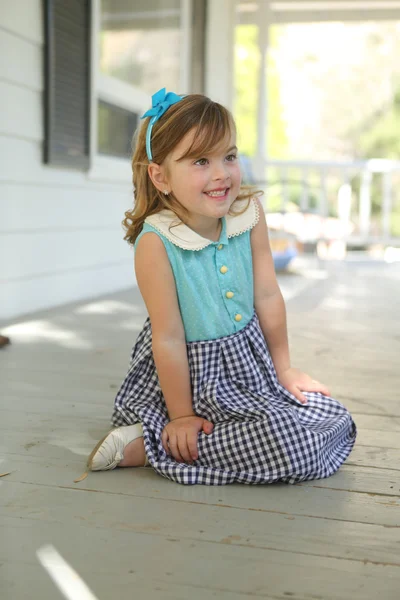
(296, 11)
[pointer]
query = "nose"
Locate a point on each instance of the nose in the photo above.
(220, 172)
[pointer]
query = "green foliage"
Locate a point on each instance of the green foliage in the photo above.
(277, 137)
(247, 64)
(381, 139)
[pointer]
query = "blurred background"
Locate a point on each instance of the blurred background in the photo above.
(314, 87)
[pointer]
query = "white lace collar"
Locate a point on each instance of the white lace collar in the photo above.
(182, 236)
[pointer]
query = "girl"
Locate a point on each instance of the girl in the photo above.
(211, 396)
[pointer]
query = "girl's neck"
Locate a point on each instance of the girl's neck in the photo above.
(210, 229)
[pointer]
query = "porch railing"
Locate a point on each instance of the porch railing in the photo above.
(357, 202)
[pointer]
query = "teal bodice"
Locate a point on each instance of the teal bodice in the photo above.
(214, 280)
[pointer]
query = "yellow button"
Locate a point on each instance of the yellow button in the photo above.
(238, 317)
(224, 269)
(220, 247)
(229, 294)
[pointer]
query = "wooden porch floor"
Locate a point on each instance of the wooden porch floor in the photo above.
(132, 534)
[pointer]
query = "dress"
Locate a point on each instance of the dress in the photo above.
(262, 433)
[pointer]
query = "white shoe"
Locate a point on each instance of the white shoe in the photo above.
(109, 452)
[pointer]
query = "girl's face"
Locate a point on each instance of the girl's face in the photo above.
(205, 185)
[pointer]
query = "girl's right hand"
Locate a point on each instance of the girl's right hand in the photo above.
(179, 437)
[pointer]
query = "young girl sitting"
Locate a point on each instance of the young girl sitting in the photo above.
(210, 396)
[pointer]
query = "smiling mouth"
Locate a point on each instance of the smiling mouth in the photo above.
(217, 193)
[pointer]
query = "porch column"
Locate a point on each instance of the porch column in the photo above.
(264, 20)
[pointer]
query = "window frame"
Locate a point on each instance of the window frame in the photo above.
(122, 94)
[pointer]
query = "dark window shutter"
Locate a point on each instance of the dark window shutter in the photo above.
(67, 83)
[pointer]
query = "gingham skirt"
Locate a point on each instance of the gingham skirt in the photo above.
(262, 433)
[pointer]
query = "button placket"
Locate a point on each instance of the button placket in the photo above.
(226, 283)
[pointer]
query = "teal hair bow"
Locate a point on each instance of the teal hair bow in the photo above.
(161, 101)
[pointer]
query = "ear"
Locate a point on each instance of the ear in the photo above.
(158, 176)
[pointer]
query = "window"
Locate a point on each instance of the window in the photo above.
(115, 129)
(143, 45)
(103, 60)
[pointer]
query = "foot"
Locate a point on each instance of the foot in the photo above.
(110, 451)
(134, 454)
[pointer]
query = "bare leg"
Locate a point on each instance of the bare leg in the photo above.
(134, 454)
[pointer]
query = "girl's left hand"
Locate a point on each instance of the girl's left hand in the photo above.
(295, 380)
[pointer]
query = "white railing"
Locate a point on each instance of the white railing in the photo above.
(357, 202)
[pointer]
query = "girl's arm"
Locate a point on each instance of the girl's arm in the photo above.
(271, 312)
(157, 286)
(268, 299)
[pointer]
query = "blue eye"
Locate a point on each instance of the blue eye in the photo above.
(201, 162)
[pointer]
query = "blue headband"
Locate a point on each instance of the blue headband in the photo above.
(161, 101)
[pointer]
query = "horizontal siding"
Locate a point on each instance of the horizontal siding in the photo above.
(29, 295)
(21, 161)
(24, 61)
(31, 255)
(38, 208)
(23, 18)
(61, 238)
(21, 113)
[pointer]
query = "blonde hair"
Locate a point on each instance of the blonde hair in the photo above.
(213, 123)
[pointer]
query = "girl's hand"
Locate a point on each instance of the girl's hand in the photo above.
(179, 437)
(295, 380)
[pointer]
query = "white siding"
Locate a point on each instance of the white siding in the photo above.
(61, 235)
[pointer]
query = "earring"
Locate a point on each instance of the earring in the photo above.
(166, 192)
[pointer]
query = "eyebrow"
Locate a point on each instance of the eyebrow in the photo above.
(198, 155)
(190, 156)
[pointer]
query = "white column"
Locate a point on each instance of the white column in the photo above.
(264, 19)
(365, 203)
(386, 203)
(220, 30)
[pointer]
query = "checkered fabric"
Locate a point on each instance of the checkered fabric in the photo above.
(262, 433)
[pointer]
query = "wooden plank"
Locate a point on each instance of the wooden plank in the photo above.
(96, 404)
(377, 423)
(244, 570)
(379, 439)
(36, 583)
(301, 500)
(15, 421)
(364, 406)
(207, 522)
(361, 479)
(367, 456)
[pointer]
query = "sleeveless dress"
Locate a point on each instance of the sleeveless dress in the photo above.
(262, 433)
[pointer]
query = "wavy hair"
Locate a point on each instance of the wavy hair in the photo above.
(213, 123)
